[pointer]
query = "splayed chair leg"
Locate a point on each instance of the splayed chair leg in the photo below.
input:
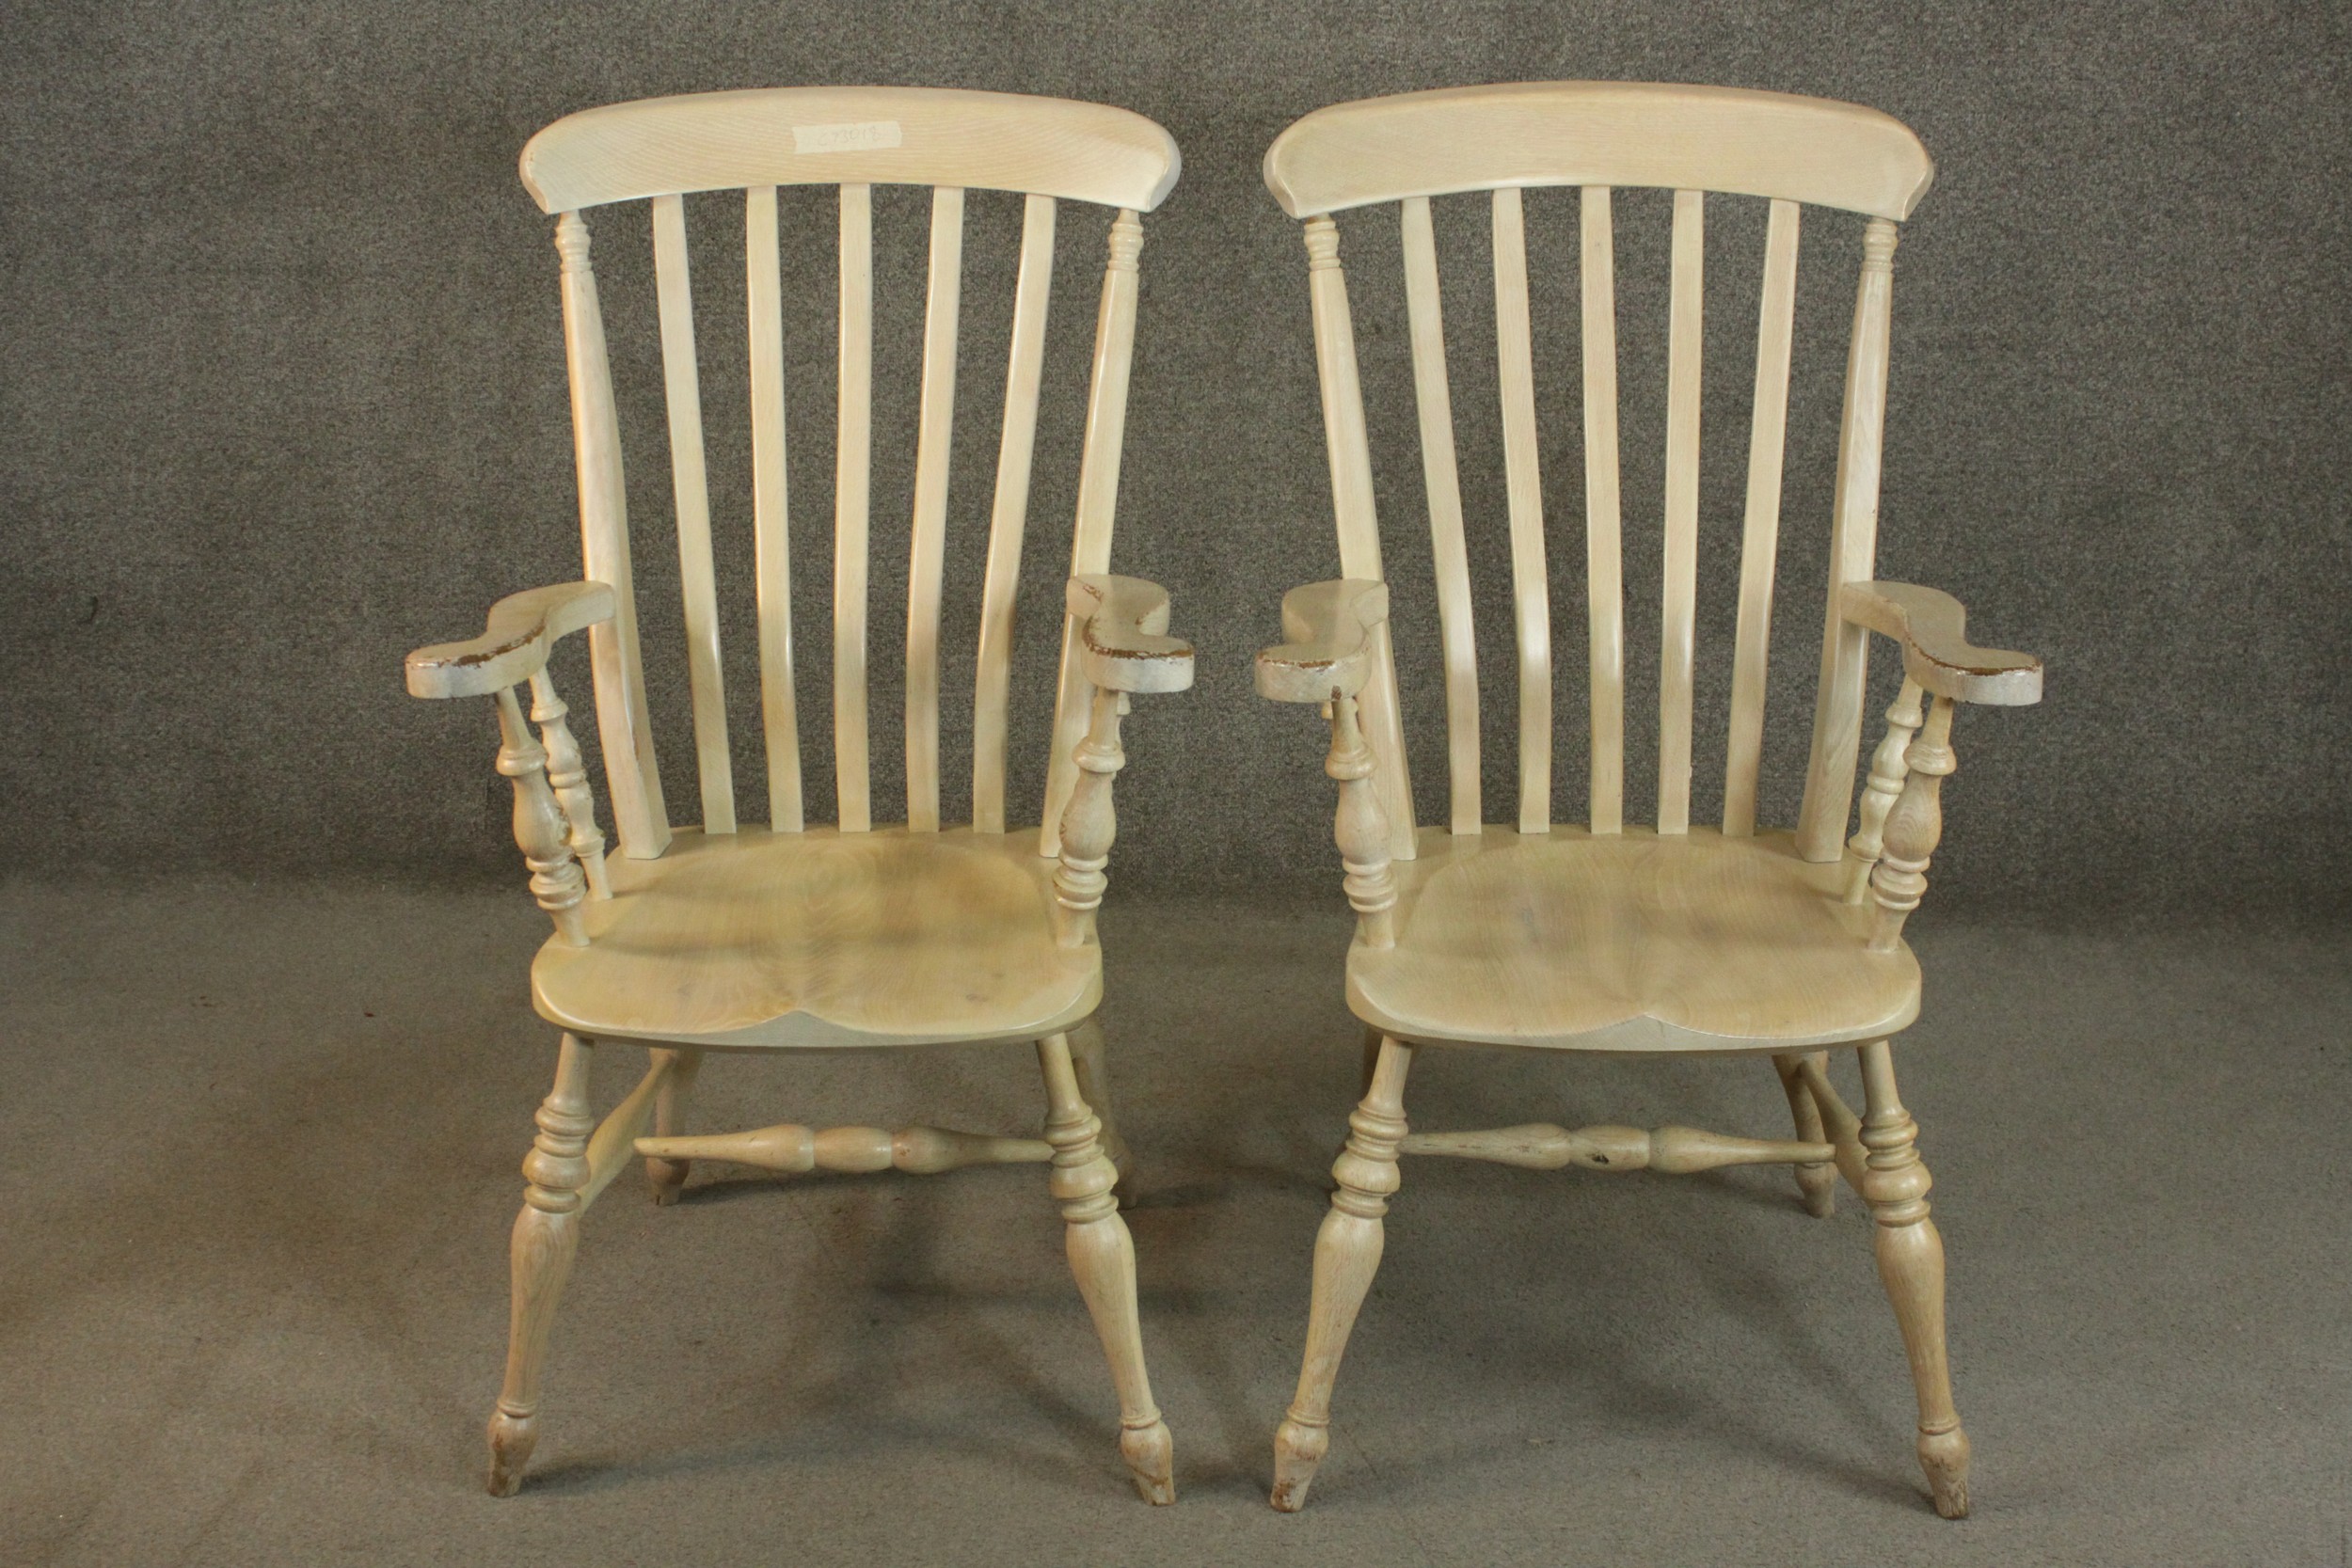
(1911, 1265)
(1817, 1183)
(1103, 1256)
(547, 1233)
(668, 1177)
(1348, 1254)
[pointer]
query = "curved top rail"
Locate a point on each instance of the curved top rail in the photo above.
(709, 141)
(1637, 134)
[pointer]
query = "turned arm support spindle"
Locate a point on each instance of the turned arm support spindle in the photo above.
(568, 777)
(1122, 645)
(1913, 827)
(1889, 765)
(554, 810)
(1333, 631)
(1903, 812)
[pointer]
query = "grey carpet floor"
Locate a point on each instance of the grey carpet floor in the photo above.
(259, 1159)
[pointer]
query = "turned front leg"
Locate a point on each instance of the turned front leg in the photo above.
(540, 1259)
(1088, 823)
(1817, 1180)
(1347, 1255)
(1361, 828)
(1091, 1059)
(1913, 827)
(1103, 1258)
(1911, 1265)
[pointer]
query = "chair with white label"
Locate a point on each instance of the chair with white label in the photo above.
(740, 937)
(1608, 936)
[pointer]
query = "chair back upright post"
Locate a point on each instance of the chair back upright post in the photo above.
(1600, 137)
(661, 150)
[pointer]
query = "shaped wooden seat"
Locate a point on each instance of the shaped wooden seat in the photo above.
(1665, 938)
(1629, 941)
(822, 937)
(744, 936)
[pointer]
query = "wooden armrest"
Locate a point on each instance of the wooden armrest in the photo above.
(1929, 623)
(513, 646)
(1330, 627)
(1123, 645)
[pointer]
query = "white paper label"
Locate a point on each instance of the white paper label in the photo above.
(858, 136)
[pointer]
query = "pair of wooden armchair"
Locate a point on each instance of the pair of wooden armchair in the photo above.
(1602, 937)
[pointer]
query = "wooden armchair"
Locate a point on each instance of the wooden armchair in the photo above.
(1610, 937)
(733, 937)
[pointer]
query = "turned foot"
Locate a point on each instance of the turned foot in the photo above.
(1151, 1456)
(1298, 1451)
(512, 1439)
(1944, 1455)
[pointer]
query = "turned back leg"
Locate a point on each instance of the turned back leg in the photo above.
(668, 1177)
(1816, 1182)
(1090, 1059)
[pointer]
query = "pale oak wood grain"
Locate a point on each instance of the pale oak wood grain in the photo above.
(927, 568)
(772, 516)
(1531, 585)
(1677, 625)
(690, 487)
(851, 135)
(1673, 1151)
(1604, 575)
(1760, 540)
(1853, 553)
(1010, 515)
(857, 934)
(1603, 937)
(1628, 943)
(1662, 136)
(853, 510)
(824, 938)
(1448, 546)
(624, 724)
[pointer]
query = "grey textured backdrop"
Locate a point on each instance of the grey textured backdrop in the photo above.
(282, 395)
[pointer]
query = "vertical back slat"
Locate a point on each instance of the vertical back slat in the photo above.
(1442, 481)
(622, 727)
(1008, 519)
(1603, 576)
(853, 460)
(1531, 586)
(1686, 328)
(1350, 455)
(771, 517)
(927, 563)
(1759, 542)
(1853, 551)
(690, 491)
(1098, 500)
